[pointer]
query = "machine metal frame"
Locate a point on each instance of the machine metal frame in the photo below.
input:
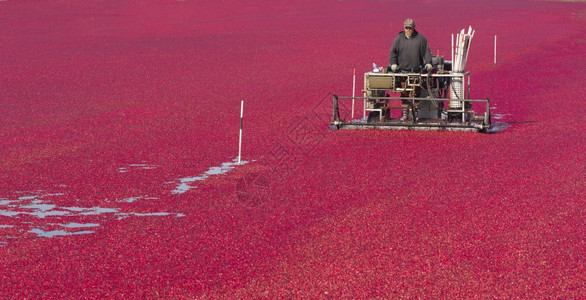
(424, 95)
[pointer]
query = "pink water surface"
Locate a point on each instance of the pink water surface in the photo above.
(106, 107)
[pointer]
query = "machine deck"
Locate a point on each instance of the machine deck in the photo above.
(397, 124)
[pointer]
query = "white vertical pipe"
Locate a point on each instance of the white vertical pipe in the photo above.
(452, 51)
(471, 35)
(495, 49)
(353, 91)
(450, 90)
(456, 51)
(240, 140)
(364, 100)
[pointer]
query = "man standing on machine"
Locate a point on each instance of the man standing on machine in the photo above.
(408, 53)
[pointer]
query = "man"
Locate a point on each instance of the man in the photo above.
(409, 50)
(408, 53)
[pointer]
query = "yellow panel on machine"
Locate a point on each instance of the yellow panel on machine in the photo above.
(379, 81)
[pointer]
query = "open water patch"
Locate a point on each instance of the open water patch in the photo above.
(54, 233)
(499, 123)
(139, 166)
(186, 183)
(62, 232)
(500, 116)
(35, 213)
(135, 199)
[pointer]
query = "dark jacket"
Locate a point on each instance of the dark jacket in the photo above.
(410, 53)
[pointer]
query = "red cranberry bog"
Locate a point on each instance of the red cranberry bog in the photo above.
(119, 140)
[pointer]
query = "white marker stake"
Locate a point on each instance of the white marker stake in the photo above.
(353, 92)
(240, 142)
(495, 49)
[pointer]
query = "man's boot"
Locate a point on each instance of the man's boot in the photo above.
(405, 115)
(405, 105)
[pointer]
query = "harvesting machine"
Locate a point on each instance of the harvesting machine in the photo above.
(436, 100)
